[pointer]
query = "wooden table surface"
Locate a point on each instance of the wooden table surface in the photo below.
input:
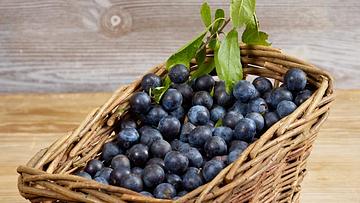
(29, 122)
(94, 45)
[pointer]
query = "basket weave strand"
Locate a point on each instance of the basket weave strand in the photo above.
(270, 169)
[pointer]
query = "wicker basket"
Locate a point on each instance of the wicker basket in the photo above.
(269, 170)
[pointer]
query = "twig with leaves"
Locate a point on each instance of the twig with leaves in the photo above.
(226, 60)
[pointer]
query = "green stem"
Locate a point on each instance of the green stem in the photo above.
(215, 33)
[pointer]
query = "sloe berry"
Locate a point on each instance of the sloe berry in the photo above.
(138, 154)
(93, 166)
(179, 74)
(245, 130)
(199, 115)
(140, 102)
(150, 80)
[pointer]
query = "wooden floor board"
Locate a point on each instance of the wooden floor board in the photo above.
(29, 122)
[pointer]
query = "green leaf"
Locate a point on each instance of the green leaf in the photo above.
(158, 92)
(219, 14)
(212, 43)
(212, 92)
(204, 68)
(227, 60)
(253, 36)
(206, 14)
(241, 11)
(186, 53)
(200, 56)
(219, 123)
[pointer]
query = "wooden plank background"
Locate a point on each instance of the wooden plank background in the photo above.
(95, 45)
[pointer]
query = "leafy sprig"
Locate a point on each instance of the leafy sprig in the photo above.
(226, 59)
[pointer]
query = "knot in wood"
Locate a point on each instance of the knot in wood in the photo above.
(115, 22)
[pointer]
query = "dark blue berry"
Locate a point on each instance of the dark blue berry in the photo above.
(169, 127)
(104, 173)
(280, 94)
(194, 156)
(258, 105)
(185, 131)
(245, 130)
(231, 119)
(174, 180)
(176, 144)
(117, 174)
(175, 162)
(221, 97)
(211, 169)
(137, 171)
(225, 133)
(199, 115)
(271, 118)
(84, 175)
(128, 124)
(240, 107)
(238, 145)
(245, 91)
(234, 155)
(184, 146)
(258, 119)
(218, 112)
(148, 135)
(199, 136)
(93, 166)
(150, 80)
(101, 180)
(295, 79)
(182, 193)
(202, 98)
(140, 102)
(110, 150)
(120, 161)
(215, 146)
(157, 161)
(262, 84)
(160, 148)
(192, 179)
(155, 114)
(171, 100)
(132, 182)
(153, 175)
(186, 91)
(146, 193)
(165, 191)
(222, 159)
(178, 113)
(127, 137)
(204, 83)
(211, 124)
(267, 97)
(302, 96)
(179, 74)
(285, 108)
(138, 154)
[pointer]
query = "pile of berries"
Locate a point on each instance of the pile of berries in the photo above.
(166, 150)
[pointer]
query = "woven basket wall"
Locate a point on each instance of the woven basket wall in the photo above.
(269, 170)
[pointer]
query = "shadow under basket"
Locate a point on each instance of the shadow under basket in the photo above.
(269, 170)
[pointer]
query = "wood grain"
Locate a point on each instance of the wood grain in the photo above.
(30, 122)
(82, 45)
